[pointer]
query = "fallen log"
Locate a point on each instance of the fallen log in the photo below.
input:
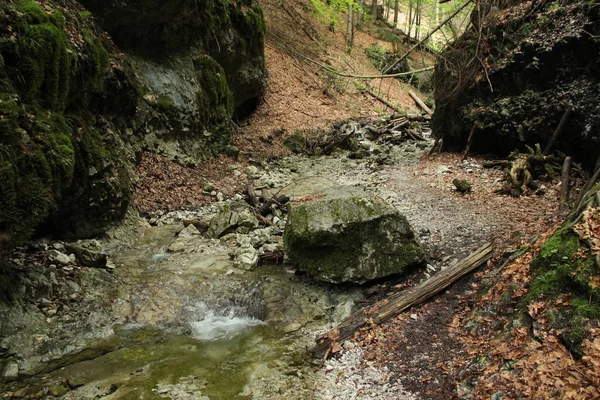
(420, 102)
(401, 301)
(382, 100)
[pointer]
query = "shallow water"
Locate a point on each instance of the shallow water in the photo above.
(189, 325)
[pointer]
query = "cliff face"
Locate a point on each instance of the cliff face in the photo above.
(229, 31)
(75, 111)
(539, 59)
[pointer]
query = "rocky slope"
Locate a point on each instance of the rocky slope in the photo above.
(515, 72)
(75, 112)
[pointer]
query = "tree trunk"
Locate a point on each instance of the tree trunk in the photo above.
(361, 6)
(410, 13)
(350, 26)
(374, 9)
(396, 13)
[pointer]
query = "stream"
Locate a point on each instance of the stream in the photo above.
(176, 317)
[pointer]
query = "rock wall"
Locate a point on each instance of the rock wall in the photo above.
(75, 111)
(539, 59)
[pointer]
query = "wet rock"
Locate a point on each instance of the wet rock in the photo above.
(89, 253)
(58, 257)
(20, 393)
(346, 235)
(230, 217)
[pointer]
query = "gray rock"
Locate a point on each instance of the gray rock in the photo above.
(208, 187)
(189, 232)
(442, 169)
(349, 236)
(259, 237)
(11, 370)
(252, 172)
(230, 217)
(89, 253)
(246, 257)
(58, 257)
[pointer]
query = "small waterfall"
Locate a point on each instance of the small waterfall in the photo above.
(210, 325)
(228, 315)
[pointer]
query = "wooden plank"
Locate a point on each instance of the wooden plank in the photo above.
(403, 300)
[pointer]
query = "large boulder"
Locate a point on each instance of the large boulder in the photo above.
(346, 235)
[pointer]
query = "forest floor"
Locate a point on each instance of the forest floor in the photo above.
(439, 350)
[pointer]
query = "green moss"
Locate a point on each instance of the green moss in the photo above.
(165, 103)
(215, 100)
(328, 254)
(46, 56)
(97, 56)
(564, 266)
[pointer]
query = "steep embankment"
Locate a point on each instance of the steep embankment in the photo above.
(75, 112)
(515, 73)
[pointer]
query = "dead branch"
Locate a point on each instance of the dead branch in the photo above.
(558, 130)
(469, 141)
(381, 99)
(565, 181)
(404, 300)
(420, 102)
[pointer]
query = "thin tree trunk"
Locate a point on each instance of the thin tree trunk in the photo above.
(426, 37)
(360, 14)
(350, 26)
(374, 9)
(396, 13)
(410, 13)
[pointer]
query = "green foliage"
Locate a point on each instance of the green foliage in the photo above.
(46, 59)
(377, 55)
(329, 12)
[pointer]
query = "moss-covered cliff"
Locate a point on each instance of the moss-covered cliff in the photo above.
(517, 78)
(230, 31)
(54, 73)
(74, 111)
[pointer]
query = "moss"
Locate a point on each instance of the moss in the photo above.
(45, 55)
(97, 56)
(565, 267)
(329, 255)
(165, 103)
(215, 99)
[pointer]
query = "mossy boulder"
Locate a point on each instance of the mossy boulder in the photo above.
(565, 267)
(347, 236)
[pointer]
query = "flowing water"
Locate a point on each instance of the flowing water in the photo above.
(188, 325)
